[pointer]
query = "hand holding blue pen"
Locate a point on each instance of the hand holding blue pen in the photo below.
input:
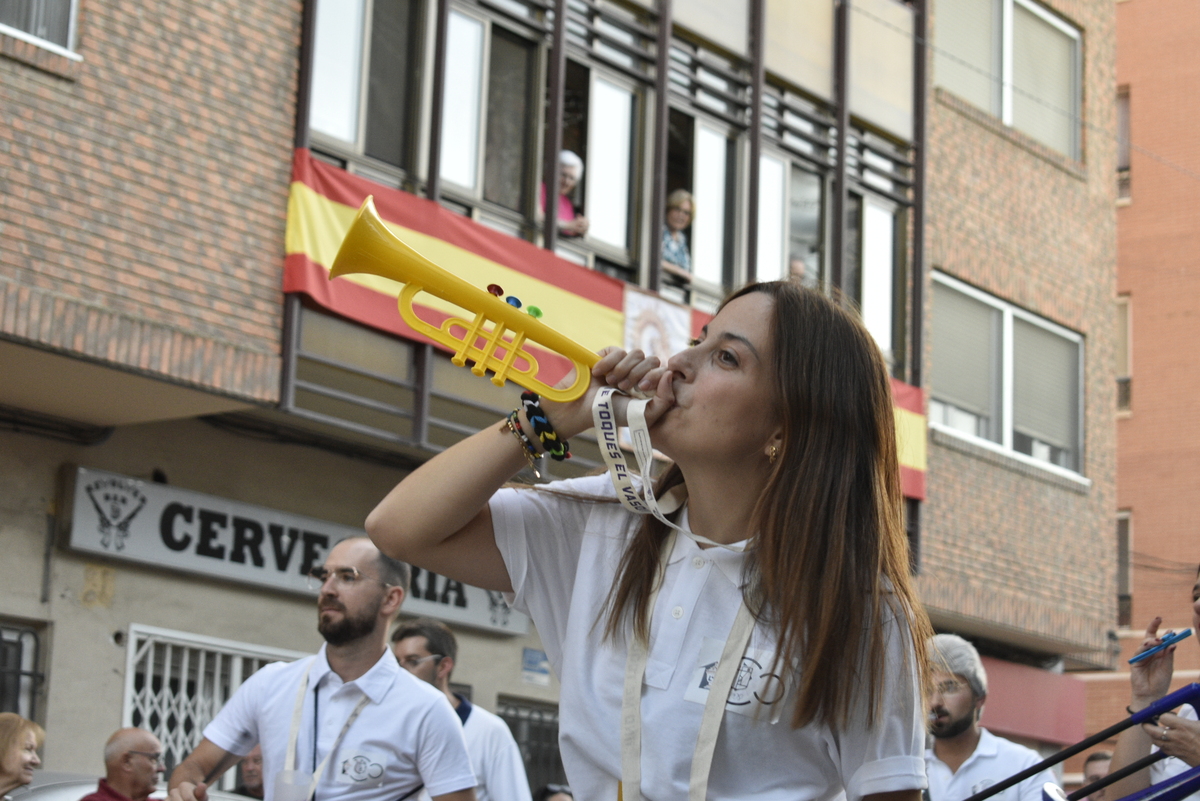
(1168, 640)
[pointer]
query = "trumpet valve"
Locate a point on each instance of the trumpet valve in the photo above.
(500, 374)
(460, 356)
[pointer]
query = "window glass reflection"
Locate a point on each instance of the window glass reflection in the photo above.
(337, 57)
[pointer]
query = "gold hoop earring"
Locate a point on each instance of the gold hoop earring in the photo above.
(773, 455)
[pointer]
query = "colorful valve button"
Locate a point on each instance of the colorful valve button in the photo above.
(534, 312)
(512, 300)
(495, 289)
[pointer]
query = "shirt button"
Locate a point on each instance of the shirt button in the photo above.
(697, 562)
(677, 612)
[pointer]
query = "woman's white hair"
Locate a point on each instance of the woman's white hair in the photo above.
(570, 158)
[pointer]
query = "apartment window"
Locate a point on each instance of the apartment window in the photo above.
(20, 661)
(534, 726)
(1016, 60)
(47, 20)
(365, 78)
(789, 221)
(489, 110)
(792, 186)
(1124, 362)
(877, 268)
(1005, 377)
(176, 683)
(599, 121)
(1123, 146)
(1124, 568)
(700, 158)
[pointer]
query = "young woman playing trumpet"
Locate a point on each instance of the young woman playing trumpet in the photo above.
(791, 571)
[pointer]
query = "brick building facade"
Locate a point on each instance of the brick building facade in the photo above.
(1015, 555)
(156, 323)
(1158, 429)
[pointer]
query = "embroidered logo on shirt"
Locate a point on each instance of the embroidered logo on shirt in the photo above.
(363, 767)
(755, 685)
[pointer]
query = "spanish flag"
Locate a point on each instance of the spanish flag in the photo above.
(585, 305)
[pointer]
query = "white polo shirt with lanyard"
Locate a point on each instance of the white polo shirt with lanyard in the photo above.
(993, 761)
(405, 734)
(563, 556)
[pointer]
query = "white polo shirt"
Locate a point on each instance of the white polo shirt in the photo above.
(562, 556)
(495, 758)
(406, 735)
(1173, 766)
(994, 760)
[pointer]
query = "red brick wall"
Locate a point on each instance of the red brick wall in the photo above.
(145, 189)
(1010, 551)
(1158, 468)
(1159, 257)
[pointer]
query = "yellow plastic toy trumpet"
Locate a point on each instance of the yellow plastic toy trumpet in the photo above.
(370, 247)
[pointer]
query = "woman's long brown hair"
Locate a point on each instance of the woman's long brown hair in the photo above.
(829, 565)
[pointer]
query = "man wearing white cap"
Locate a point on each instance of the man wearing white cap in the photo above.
(966, 758)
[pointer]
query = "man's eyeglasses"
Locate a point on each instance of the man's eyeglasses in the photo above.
(949, 687)
(414, 662)
(154, 756)
(342, 576)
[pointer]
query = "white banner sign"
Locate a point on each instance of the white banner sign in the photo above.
(655, 326)
(157, 524)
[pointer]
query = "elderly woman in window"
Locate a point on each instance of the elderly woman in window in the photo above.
(570, 173)
(674, 241)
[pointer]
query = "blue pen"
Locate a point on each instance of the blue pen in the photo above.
(1170, 639)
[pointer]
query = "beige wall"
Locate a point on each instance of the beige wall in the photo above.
(90, 599)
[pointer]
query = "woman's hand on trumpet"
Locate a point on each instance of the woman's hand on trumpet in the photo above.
(625, 371)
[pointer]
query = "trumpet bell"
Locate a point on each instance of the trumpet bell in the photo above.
(493, 339)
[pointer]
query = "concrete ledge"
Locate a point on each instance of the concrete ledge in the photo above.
(70, 327)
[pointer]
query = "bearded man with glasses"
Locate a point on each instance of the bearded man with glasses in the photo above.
(966, 758)
(348, 723)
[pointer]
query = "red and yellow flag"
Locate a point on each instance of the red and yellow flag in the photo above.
(583, 304)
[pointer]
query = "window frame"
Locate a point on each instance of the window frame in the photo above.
(793, 162)
(140, 644)
(517, 223)
(31, 669)
(526, 718)
(1124, 371)
(624, 254)
(449, 186)
(1124, 530)
(894, 294)
(1124, 146)
(67, 51)
(1004, 15)
(776, 153)
(1007, 60)
(1010, 312)
(353, 156)
(334, 144)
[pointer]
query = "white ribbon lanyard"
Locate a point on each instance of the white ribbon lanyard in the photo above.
(714, 706)
(604, 418)
(294, 734)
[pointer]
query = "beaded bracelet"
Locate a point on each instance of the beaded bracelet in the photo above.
(558, 449)
(513, 423)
